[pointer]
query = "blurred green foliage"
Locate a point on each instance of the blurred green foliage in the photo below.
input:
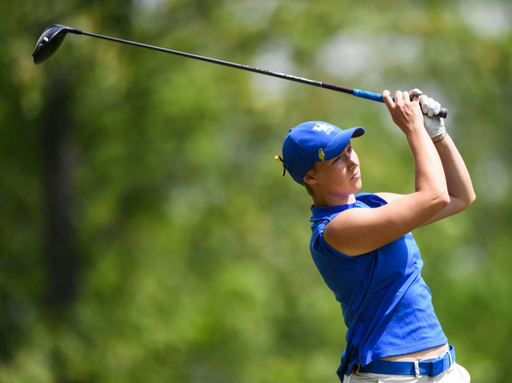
(190, 251)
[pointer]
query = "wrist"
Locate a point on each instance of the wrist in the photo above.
(415, 134)
(414, 127)
(439, 137)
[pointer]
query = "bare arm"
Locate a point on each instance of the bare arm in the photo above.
(458, 180)
(358, 231)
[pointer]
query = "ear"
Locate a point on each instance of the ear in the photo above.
(310, 178)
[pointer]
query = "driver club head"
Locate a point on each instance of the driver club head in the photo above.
(50, 41)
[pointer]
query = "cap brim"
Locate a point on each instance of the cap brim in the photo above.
(340, 141)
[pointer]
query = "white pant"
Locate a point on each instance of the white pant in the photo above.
(455, 374)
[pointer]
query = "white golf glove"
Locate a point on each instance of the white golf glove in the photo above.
(430, 107)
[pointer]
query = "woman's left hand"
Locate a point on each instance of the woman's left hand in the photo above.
(430, 107)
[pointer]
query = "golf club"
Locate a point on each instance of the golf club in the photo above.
(52, 38)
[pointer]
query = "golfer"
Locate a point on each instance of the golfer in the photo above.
(363, 246)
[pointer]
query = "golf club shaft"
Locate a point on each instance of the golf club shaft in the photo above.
(355, 92)
(225, 63)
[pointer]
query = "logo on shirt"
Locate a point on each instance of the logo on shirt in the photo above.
(328, 129)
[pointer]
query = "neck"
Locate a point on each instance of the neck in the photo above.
(332, 200)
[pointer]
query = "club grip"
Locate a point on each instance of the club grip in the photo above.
(443, 113)
(368, 95)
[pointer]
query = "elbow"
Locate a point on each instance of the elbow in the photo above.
(464, 201)
(468, 201)
(444, 200)
(440, 201)
(473, 198)
(460, 204)
(436, 200)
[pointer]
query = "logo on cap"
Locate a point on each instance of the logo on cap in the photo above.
(328, 129)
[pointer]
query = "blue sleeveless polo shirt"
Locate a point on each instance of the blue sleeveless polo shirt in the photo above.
(386, 304)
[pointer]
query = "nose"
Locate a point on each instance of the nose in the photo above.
(353, 162)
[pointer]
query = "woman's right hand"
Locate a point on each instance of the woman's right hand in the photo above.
(406, 113)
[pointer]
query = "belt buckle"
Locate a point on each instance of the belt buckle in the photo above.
(436, 367)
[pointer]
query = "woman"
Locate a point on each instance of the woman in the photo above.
(363, 247)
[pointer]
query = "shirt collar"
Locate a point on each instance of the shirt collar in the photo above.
(320, 212)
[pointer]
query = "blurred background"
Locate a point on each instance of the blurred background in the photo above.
(146, 233)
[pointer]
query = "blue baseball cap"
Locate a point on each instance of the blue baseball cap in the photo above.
(311, 142)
